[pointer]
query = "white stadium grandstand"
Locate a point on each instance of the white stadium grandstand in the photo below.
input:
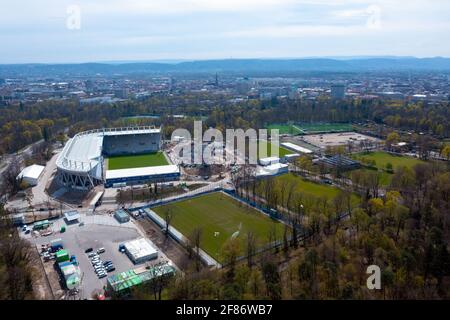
(80, 164)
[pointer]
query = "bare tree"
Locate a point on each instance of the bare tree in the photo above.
(168, 218)
(195, 239)
(250, 248)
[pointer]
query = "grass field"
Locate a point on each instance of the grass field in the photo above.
(385, 177)
(311, 128)
(285, 128)
(383, 158)
(218, 212)
(308, 190)
(137, 161)
(281, 151)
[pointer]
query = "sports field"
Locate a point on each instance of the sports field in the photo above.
(383, 158)
(324, 127)
(219, 217)
(137, 161)
(265, 144)
(308, 190)
(310, 128)
(285, 128)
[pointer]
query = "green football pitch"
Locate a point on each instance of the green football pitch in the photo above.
(137, 161)
(219, 216)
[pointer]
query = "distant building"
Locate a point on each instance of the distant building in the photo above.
(339, 162)
(272, 170)
(338, 91)
(268, 161)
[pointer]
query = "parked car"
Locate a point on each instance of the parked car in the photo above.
(88, 250)
(100, 250)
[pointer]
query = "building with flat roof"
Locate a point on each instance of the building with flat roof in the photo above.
(296, 148)
(140, 250)
(31, 174)
(340, 162)
(122, 283)
(268, 161)
(121, 216)
(272, 170)
(338, 91)
(142, 175)
(71, 216)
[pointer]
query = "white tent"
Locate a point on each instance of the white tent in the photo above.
(31, 174)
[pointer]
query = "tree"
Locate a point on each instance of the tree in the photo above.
(195, 239)
(16, 262)
(446, 152)
(272, 279)
(168, 215)
(231, 250)
(392, 139)
(250, 248)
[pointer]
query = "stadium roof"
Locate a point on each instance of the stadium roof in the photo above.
(83, 152)
(141, 172)
(295, 147)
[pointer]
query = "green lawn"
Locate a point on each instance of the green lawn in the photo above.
(137, 161)
(385, 177)
(218, 212)
(383, 158)
(308, 190)
(284, 128)
(281, 151)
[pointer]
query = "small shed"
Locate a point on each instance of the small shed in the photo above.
(62, 255)
(31, 174)
(72, 216)
(121, 216)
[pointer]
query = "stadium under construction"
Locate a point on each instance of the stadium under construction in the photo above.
(81, 164)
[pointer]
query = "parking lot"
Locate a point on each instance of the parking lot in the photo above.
(106, 235)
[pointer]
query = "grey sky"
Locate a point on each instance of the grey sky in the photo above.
(37, 31)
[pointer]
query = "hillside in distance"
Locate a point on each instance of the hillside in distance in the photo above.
(232, 66)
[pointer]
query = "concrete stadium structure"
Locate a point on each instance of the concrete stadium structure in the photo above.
(80, 165)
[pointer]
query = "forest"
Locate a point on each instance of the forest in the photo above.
(24, 124)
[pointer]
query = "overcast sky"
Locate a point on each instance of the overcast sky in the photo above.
(122, 30)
